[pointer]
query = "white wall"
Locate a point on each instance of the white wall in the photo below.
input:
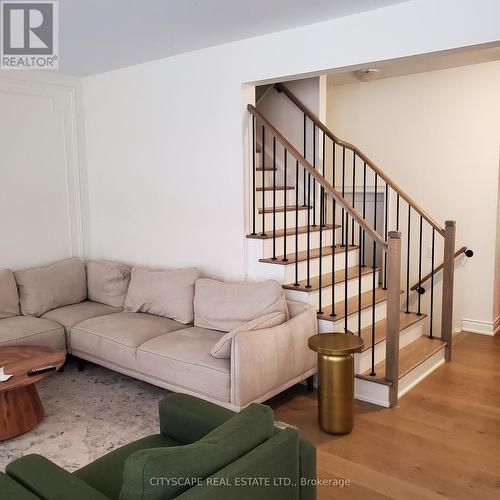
(286, 117)
(496, 295)
(437, 135)
(40, 201)
(164, 139)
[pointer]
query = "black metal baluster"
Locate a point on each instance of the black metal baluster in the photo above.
(374, 268)
(254, 174)
(385, 232)
(308, 285)
(353, 192)
(432, 283)
(397, 212)
(322, 189)
(296, 223)
(274, 199)
(263, 152)
(346, 257)
(314, 180)
(334, 230)
(408, 262)
(344, 241)
(305, 150)
(419, 266)
(320, 311)
(364, 215)
(359, 282)
(285, 199)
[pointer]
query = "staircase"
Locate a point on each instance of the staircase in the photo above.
(330, 226)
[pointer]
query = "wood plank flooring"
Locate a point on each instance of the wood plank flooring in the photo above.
(442, 441)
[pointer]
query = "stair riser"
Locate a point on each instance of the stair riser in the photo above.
(352, 260)
(280, 198)
(286, 273)
(280, 220)
(267, 250)
(326, 293)
(371, 392)
(362, 361)
(352, 320)
(419, 373)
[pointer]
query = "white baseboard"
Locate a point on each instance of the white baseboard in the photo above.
(482, 327)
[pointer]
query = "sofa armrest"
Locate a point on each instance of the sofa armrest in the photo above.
(49, 481)
(12, 490)
(187, 419)
(263, 361)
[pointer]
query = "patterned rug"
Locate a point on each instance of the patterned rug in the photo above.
(87, 414)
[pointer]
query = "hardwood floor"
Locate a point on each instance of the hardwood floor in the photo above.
(443, 441)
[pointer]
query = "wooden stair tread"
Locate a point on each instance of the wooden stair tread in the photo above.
(288, 208)
(409, 358)
(352, 305)
(326, 279)
(405, 321)
(290, 231)
(267, 169)
(278, 188)
(313, 254)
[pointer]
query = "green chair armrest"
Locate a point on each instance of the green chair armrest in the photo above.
(187, 419)
(307, 470)
(49, 481)
(12, 490)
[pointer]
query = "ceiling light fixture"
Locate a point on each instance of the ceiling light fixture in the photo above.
(367, 75)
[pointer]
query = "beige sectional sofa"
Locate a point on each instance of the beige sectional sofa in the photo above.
(230, 343)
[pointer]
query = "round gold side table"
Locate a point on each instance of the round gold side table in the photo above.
(335, 379)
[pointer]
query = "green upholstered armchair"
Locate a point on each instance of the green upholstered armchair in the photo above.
(203, 451)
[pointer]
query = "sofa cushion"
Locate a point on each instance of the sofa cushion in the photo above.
(107, 282)
(223, 347)
(227, 306)
(69, 316)
(19, 330)
(115, 337)
(44, 288)
(167, 292)
(183, 359)
(9, 297)
(219, 448)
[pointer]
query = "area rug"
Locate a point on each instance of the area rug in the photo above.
(87, 414)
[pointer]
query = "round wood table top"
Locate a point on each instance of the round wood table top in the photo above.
(17, 360)
(336, 344)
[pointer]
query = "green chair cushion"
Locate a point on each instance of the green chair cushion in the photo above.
(106, 473)
(164, 473)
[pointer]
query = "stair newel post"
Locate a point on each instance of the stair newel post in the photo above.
(448, 275)
(393, 309)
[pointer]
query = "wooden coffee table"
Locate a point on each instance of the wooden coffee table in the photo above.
(20, 407)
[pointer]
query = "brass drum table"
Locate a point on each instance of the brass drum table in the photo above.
(335, 379)
(20, 406)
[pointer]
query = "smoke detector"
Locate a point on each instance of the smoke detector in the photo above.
(367, 75)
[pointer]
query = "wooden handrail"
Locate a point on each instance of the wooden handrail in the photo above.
(436, 270)
(319, 178)
(282, 88)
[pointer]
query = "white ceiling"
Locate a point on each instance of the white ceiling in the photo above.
(101, 35)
